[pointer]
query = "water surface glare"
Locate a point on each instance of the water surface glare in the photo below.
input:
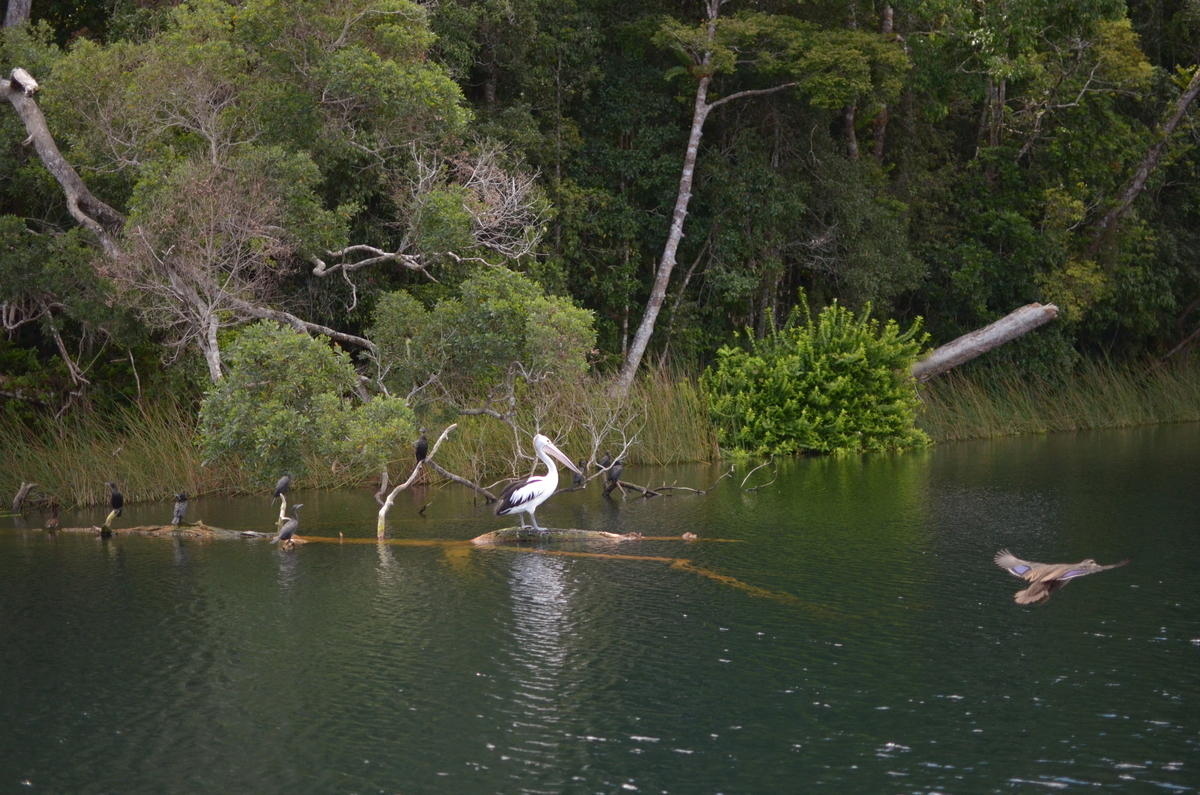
(855, 639)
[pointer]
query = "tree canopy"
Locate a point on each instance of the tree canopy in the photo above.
(474, 180)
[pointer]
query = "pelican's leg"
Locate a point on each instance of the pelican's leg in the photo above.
(541, 530)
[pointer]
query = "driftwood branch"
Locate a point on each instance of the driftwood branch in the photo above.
(753, 489)
(105, 222)
(664, 487)
(381, 525)
(462, 481)
(980, 341)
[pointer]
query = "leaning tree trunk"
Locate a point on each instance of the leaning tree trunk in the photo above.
(105, 222)
(633, 359)
(700, 111)
(980, 341)
(1149, 162)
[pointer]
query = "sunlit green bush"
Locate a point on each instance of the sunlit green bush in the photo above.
(836, 383)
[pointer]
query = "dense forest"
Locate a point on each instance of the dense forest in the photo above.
(450, 190)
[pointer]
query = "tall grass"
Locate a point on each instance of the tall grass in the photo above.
(1099, 394)
(150, 450)
(664, 420)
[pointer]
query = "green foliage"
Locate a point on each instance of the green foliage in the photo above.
(503, 326)
(838, 383)
(288, 396)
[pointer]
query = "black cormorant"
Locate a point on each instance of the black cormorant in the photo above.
(282, 485)
(421, 447)
(180, 507)
(116, 501)
(614, 476)
(289, 527)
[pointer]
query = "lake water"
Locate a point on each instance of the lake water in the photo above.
(842, 630)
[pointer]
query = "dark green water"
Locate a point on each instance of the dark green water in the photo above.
(895, 660)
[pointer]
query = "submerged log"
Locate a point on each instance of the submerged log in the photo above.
(181, 530)
(980, 341)
(519, 535)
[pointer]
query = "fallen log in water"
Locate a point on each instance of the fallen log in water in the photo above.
(521, 534)
(181, 530)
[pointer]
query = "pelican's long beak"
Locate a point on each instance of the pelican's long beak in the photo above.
(553, 450)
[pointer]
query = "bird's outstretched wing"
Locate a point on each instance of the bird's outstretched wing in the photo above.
(1014, 565)
(516, 495)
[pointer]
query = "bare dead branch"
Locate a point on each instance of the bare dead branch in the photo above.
(103, 221)
(386, 506)
(22, 493)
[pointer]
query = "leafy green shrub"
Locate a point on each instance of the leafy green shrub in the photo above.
(503, 324)
(839, 383)
(286, 395)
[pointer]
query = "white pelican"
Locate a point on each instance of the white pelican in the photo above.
(526, 495)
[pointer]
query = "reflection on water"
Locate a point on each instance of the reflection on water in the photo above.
(857, 638)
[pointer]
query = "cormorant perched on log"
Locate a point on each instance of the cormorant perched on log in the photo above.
(577, 477)
(116, 500)
(421, 447)
(1046, 578)
(282, 485)
(180, 507)
(614, 476)
(605, 460)
(289, 527)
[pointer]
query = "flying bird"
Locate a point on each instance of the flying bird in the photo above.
(614, 476)
(289, 527)
(527, 494)
(421, 447)
(116, 500)
(282, 485)
(180, 508)
(1046, 578)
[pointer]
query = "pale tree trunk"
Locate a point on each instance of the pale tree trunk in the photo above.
(658, 293)
(17, 13)
(1149, 162)
(211, 350)
(980, 341)
(848, 117)
(105, 222)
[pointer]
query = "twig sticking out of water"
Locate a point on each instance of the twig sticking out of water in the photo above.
(665, 487)
(763, 485)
